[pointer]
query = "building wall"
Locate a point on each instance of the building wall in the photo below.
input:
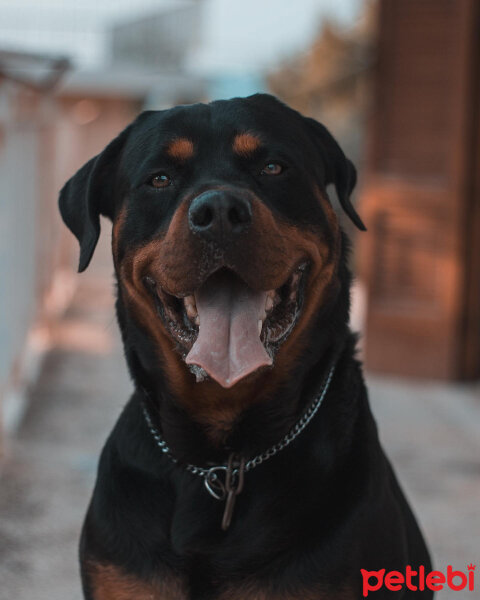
(22, 115)
(418, 202)
(43, 141)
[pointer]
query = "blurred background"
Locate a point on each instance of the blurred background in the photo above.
(398, 84)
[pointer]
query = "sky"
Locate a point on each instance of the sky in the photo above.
(237, 35)
(247, 34)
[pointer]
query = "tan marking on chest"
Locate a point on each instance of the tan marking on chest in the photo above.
(109, 582)
(250, 591)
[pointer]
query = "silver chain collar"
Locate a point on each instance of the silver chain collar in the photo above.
(211, 475)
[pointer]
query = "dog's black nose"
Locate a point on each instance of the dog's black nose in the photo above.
(218, 215)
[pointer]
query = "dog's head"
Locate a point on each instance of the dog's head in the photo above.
(226, 247)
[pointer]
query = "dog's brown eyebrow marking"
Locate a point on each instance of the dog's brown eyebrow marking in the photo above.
(246, 143)
(181, 148)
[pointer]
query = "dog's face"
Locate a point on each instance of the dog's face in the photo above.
(225, 244)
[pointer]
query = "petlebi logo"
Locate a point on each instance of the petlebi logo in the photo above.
(418, 580)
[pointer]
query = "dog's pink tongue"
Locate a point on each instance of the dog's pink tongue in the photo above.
(228, 346)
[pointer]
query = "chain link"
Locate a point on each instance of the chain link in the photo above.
(260, 458)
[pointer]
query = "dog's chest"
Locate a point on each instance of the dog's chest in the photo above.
(241, 593)
(108, 582)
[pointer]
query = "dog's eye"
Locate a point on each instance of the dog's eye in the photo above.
(272, 169)
(160, 181)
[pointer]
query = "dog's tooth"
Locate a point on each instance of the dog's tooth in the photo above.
(191, 311)
(197, 320)
(260, 325)
(189, 301)
(269, 303)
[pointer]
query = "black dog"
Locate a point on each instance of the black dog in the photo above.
(246, 465)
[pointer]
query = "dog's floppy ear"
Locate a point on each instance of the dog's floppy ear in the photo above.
(89, 194)
(338, 169)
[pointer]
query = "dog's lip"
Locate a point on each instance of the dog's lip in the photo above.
(275, 333)
(153, 282)
(283, 306)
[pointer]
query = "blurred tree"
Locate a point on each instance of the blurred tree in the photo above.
(331, 80)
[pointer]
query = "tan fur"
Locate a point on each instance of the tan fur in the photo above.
(181, 149)
(246, 143)
(109, 582)
(250, 591)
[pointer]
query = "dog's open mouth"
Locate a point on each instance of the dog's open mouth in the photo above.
(226, 330)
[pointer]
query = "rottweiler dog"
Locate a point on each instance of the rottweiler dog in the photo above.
(246, 464)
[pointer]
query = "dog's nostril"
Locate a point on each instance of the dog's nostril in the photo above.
(203, 217)
(238, 215)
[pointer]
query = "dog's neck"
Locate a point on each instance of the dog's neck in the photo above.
(263, 424)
